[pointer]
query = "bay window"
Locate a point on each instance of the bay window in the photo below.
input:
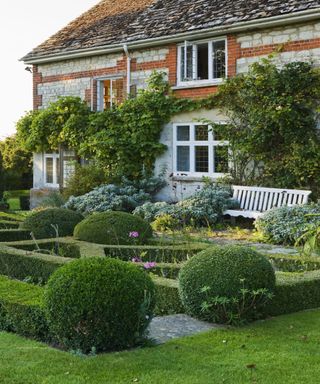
(199, 151)
(201, 62)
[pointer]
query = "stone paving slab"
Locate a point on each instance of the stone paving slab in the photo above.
(165, 328)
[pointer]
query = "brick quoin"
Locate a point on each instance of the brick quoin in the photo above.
(235, 52)
(37, 79)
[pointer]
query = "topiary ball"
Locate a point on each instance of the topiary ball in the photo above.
(41, 222)
(222, 272)
(113, 228)
(99, 303)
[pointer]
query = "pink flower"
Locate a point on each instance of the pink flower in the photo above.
(134, 234)
(149, 265)
(136, 260)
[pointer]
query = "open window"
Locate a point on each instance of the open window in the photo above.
(202, 62)
(110, 93)
(198, 151)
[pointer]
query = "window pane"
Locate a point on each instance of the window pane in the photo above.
(58, 170)
(201, 132)
(113, 93)
(218, 134)
(202, 159)
(219, 59)
(203, 59)
(49, 170)
(117, 91)
(183, 133)
(183, 159)
(187, 73)
(221, 159)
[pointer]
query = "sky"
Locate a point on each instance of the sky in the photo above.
(23, 26)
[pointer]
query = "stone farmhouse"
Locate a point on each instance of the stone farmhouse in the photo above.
(110, 51)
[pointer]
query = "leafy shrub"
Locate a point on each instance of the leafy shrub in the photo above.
(286, 224)
(53, 200)
(41, 223)
(203, 208)
(165, 223)
(123, 197)
(226, 284)
(84, 179)
(99, 303)
(113, 228)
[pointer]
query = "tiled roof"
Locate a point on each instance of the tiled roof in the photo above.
(118, 21)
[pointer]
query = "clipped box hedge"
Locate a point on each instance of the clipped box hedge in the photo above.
(21, 309)
(295, 292)
(167, 297)
(160, 254)
(21, 265)
(9, 224)
(14, 235)
(62, 249)
(288, 263)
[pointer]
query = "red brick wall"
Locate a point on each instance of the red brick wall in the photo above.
(234, 52)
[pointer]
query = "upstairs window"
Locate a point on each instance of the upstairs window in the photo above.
(201, 62)
(110, 93)
(198, 151)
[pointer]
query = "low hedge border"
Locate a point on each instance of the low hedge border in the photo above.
(162, 254)
(21, 309)
(9, 224)
(56, 247)
(288, 263)
(295, 292)
(21, 306)
(21, 265)
(167, 297)
(14, 235)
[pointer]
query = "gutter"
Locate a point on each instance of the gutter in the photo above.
(126, 51)
(269, 22)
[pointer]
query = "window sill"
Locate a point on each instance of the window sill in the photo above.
(199, 85)
(191, 178)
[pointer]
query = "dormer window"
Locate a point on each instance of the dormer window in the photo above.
(202, 62)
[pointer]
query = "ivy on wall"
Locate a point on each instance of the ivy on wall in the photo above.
(272, 126)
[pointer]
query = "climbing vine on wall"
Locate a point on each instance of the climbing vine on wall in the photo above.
(272, 124)
(125, 141)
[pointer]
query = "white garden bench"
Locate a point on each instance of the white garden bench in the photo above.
(256, 200)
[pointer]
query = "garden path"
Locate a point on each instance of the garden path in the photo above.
(165, 328)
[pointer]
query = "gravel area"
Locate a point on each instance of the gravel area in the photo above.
(165, 328)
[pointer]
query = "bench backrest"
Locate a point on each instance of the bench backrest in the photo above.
(263, 199)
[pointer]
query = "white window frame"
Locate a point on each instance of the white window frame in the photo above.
(211, 80)
(100, 101)
(55, 158)
(192, 143)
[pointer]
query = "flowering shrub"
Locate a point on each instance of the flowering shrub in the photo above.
(124, 197)
(286, 224)
(203, 208)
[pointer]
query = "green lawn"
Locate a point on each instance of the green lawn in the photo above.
(284, 350)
